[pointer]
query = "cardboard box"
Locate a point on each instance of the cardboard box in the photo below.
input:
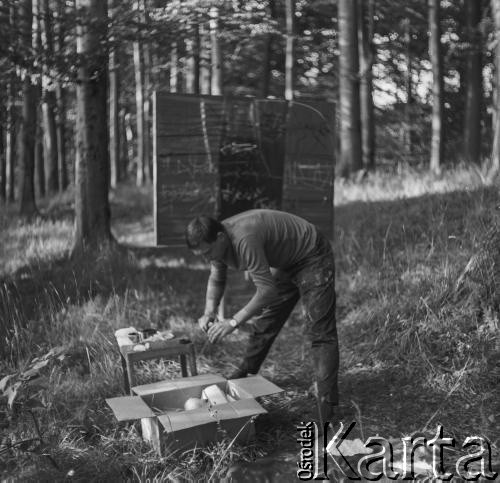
(166, 424)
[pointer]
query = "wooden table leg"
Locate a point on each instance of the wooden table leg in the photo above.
(130, 371)
(192, 361)
(125, 374)
(183, 365)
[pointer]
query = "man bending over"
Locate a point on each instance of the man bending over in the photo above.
(287, 259)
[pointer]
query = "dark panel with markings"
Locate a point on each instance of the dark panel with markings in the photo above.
(220, 156)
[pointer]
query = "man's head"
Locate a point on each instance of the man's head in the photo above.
(206, 236)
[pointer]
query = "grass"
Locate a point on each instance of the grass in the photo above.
(411, 357)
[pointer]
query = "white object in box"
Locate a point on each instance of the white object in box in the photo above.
(164, 422)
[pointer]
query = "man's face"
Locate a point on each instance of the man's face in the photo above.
(212, 251)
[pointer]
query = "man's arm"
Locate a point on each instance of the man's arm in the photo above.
(254, 257)
(215, 287)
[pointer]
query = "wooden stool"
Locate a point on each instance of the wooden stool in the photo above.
(168, 349)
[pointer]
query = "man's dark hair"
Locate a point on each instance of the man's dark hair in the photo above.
(202, 229)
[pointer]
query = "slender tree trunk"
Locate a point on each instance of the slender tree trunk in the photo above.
(114, 127)
(174, 67)
(50, 143)
(189, 89)
(11, 138)
(123, 152)
(408, 130)
(289, 49)
(3, 164)
(350, 128)
(61, 104)
(437, 86)
(365, 39)
(10, 142)
(196, 58)
(473, 84)
(39, 158)
(39, 161)
(61, 136)
(205, 55)
(268, 51)
(495, 153)
(148, 92)
(216, 80)
(28, 121)
(92, 215)
(114, 95)
(139, 105)
(48, 106)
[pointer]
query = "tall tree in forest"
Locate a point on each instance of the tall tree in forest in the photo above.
(216, 80)
(350, 130)
(39, 157)
(437, 86)
(49, 105)
(407, 124)
(139, 104)
(114, 108)
(289, 49)
(11, 124)
(205, 61)
(92, 214)
(3, 171)
(193, 61)
(473, 83)
(495, 152)
(61, 99)
(267, 52)
(365, 44)
(148, 92)
(27, 135)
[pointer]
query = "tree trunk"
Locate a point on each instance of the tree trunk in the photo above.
(114, 128)
(473, 84)
(193, 61)
(92, 215)
(61, 104)
(205, 77)
(174, 67)
(365, 39)
(48, 106)
(437, 86)
(407, 125)
(216, 80)
(10, 142)
(289, 49)
(11, 138)
(139, 105)
(123, 152)
(3, 171)
(148, 92)
(350, 129)
(61, 136)
(28, 121)
(495, 153)
(268, 51)
(39, 161)
(50, 143)
(114, 96)
(196, 59)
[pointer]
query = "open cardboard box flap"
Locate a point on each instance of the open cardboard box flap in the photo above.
(252, 387)
(128, 408)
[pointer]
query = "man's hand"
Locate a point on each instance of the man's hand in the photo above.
(219, 330)
(205, 321)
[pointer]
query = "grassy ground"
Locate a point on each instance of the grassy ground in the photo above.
(411, 358)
